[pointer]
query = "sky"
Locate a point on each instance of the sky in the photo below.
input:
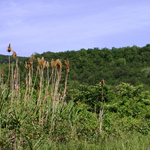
(38, 26)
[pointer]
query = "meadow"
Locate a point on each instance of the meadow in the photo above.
(39, 111)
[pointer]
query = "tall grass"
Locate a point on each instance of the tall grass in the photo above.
(23, 115)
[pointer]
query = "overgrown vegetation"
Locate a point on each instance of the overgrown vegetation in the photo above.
(39, 111)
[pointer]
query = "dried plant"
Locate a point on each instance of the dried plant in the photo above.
(67, 66)
(67, 71)
(58, 64)
(38, 68)
(40, 61)
(14, 55)
(9, 49)
(25, 81)
(19, 63)
(101, 108)
(47, 65)
(15, 75)
(102, 82)
(2, 71)
(45, 101)
(31, 67)
(26, 65)
(44, 64)
(52, 63)
(31, 59)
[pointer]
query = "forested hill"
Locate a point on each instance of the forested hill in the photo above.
(127, 64)
(116, 65)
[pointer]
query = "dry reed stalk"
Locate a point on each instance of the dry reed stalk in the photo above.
(41, 89)
(100, 119)
(54, 89)
(16, 78)
(42, 63)
(34, 82)
(19, 84)
(26, 65)
(2, 73)
(47, 78)
(46, 91)
(52, 85)
(0, 78)
(67, 71)
(31, 73)
(14, 55)
(12, 84)
(9, 49)
(52, 77)
(101, 108)
(58, 66)
(26, 82)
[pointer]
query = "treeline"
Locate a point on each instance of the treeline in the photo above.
(116, 65)
(127, 64)
(4, 59)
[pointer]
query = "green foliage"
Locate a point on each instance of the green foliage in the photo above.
(127, 64)
(92, 96)
(33, 120)
(125, 109)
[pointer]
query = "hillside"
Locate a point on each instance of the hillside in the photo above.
(40, 107)
(116, 65)
(127, 64)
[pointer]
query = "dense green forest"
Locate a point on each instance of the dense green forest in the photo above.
(99, 99)
(116, 65)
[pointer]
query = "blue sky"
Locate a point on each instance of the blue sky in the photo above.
(60, 25)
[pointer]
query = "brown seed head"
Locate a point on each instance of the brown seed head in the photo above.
(38, 68)
(37, 89)
(39, 84)
(31, 68)
(19, 63)
(9, 48)
(40, 61)
(102, 82)
(44, 64)
(58, 64)
(31, 59)
(2, 70)
(25, 81)
(67, 66)
(52, 63)
(15, 75)
(47, 64)
(26, 65)
(14, 55)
